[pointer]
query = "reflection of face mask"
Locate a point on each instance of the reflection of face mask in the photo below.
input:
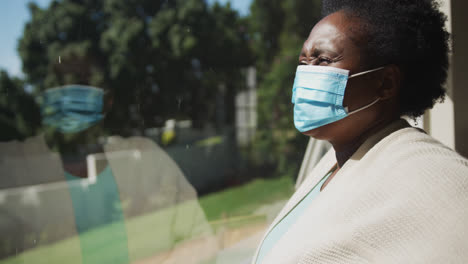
(71, 108)
(318, 94)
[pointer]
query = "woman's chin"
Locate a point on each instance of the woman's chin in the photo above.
(325, 132)
(315, 133)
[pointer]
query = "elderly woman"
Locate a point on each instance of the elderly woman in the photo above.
(386, 192)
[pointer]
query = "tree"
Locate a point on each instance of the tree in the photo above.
(19, 114)
(159, 59)
(279, 28)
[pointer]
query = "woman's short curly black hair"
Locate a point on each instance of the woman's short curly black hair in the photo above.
(410, 34)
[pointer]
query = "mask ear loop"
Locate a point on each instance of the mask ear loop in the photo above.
(362, 108)
(365, 72)
(369, 105)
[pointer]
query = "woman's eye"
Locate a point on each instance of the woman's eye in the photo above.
(324, 60)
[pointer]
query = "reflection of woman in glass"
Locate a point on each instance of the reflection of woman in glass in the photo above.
(110, 182)
(386, 192)
(73, 112)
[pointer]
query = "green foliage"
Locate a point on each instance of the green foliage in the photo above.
(276, 25)
(159, 59)
(176, 59)
(19, 114)
(279, 29)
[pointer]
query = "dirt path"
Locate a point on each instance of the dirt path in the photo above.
(198, 250)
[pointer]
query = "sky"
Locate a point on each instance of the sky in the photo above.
(242, 6)
(14, 14)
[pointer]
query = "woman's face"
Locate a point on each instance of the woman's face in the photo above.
(337, 41)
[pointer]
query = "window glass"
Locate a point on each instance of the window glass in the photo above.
(146, 131)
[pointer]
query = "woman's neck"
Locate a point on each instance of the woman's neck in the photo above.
(75, 148)
(345, 150)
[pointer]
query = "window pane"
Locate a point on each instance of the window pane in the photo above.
(146, 131)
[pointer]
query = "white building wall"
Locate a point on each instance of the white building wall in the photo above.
(448, 121)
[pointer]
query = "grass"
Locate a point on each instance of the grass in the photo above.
(244, 200)
(159, 231)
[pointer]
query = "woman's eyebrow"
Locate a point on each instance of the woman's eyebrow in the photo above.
(317, 50)
(320, 50)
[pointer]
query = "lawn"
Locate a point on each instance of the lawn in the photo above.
(244, 200)
(233, 208)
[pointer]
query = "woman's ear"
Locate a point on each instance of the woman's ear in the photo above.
(391, 81)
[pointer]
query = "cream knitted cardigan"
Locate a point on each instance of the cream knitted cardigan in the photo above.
(401, 200)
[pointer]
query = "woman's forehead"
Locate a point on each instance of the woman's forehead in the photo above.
(336, 31)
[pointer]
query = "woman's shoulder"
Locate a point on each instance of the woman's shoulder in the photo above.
(415, 161)
(414, 145)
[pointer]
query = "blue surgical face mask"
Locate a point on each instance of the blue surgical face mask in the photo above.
(71, 108)
(318, 94)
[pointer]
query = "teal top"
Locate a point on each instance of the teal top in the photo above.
(282, 227)
(99, 219)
